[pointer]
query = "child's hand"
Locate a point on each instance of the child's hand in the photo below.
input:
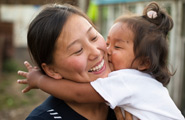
(119, 114)
(32, 77)
(128, 116)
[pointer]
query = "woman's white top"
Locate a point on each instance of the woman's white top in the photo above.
(139, 94)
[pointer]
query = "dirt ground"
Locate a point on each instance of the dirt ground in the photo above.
(18, 113)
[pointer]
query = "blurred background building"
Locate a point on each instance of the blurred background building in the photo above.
(15, 16)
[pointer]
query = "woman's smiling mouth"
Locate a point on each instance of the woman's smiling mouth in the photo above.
(98, 67)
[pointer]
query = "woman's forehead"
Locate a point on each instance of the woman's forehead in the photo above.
(75, 28)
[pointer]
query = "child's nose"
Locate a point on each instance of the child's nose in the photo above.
(109, 50)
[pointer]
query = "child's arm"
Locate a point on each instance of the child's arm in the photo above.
(63, 89)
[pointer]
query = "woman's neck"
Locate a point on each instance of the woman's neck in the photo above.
(91, 111)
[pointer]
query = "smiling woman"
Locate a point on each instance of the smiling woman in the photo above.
(64, 44)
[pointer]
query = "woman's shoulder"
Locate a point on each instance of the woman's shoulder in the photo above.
(53, 108)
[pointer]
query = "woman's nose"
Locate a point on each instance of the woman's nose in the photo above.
(94, 52)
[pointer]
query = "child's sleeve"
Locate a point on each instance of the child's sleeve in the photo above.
(114, 90)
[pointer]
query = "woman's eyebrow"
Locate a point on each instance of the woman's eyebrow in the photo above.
(90, 28)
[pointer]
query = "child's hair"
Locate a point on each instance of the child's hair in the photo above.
(150, 40)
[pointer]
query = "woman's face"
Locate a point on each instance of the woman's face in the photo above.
(80, 52)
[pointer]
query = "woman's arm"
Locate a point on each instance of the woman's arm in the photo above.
(63, 89)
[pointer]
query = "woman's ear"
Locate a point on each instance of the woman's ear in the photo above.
(144, 64)
(50, 71)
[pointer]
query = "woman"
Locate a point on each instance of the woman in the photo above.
(64, 44)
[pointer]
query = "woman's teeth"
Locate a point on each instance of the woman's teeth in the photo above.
(96, 68)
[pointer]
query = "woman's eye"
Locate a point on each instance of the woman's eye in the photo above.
(79, 51)
(94, 38)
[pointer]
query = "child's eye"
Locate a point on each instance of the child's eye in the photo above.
(117, 47)
(79, 51)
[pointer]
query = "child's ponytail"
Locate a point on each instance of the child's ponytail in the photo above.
(154, 14)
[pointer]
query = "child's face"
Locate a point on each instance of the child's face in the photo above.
(120, 47)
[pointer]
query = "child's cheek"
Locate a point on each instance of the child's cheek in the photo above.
(115, 62)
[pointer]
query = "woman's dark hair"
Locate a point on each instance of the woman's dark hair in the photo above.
(45, 29)
(150, 40)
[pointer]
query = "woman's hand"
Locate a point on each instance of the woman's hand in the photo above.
(32, 77)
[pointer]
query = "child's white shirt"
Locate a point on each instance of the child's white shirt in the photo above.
(139, 94)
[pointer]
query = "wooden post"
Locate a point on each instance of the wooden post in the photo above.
(176, 58)
(1, 53)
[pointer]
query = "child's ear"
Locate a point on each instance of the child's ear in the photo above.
(50, 71)
(144, 64)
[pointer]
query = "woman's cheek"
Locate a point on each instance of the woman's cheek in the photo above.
(77, 64)
(102, 44)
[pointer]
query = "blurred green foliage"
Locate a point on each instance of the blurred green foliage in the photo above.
(11, 96)
(10, 65)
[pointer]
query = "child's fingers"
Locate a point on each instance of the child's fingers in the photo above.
(22, 73)
(128, 116)
(26, 89)
(22, 81)
(27, 64)
(36, 67)
(118, 113)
